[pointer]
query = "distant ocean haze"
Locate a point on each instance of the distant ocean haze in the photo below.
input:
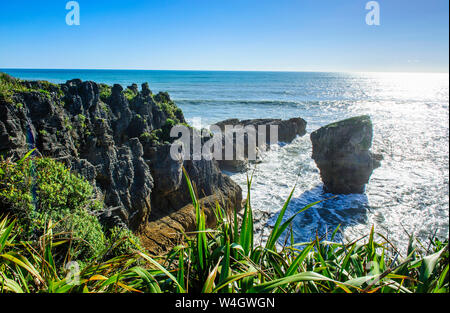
(408, 193)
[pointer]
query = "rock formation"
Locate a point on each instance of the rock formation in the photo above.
(341, 152)
(287, 131)
(119, 141)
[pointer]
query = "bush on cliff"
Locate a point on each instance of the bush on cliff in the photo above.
(105, 92)
(10, 85)
(40, 190)
(129, 94)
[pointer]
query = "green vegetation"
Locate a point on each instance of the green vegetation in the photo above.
(166, 128)
(171, 110)
(47, 86)
(101, 120)
(82, 119)
(224, 259)
(148, 137)
(45, 92)
(122, 241)
(40, 190)
(67, 124)
(155, 136)
(104, 108)
(105, 92)
(10, 85)
(129, 94)
(350, 121)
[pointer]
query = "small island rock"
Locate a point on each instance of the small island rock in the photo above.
(341, 151)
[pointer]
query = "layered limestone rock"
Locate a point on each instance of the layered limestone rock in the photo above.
(119, 141)
(341, 151)
(285, 131)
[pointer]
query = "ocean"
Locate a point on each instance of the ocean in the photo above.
(408, 194)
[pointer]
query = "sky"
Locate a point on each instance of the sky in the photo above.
(281, 35)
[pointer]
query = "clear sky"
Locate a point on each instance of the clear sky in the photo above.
(285, 35)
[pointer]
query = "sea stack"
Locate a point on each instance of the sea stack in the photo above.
(341, 151)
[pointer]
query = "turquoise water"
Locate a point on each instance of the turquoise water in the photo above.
(408, 194)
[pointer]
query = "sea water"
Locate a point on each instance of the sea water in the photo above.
(408, 194)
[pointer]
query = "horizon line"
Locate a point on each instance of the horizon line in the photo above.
(222, 70)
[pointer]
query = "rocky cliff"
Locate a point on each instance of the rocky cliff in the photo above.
(119, 141)
(341, 151)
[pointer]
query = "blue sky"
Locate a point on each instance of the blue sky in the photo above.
(285, 35)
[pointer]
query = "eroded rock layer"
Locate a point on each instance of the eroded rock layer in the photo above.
(286, 131)
(119, 141)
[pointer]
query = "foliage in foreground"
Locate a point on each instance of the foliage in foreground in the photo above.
(224, 260)
(38, 191)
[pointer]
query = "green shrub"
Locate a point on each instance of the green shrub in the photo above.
(15, 185)
(45, 92)
(39, 190)
(129, 94)
(48, 85)
(67, 124)
(178, 114)
(147, 137)
(10, 85)
(104, 108)
(89, 238)
(157, 133)
(170, 109)
(166, 128)
(105, 92)
(122, 241)
(82, 120)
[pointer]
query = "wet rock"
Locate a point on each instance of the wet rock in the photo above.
(286, 131)
(341, 151)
